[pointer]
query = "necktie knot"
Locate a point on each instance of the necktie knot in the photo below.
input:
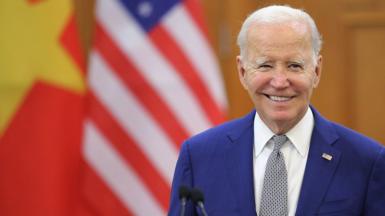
(279, 140)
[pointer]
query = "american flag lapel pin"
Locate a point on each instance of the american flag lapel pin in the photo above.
(327, 156)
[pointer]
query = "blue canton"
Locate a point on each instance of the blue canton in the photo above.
(148, 12)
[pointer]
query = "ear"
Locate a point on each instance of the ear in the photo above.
(241, 71)
(317, 71)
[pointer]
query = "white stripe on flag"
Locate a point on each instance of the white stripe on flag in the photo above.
(132, 116)
(153, 66)
(119, 176)
(194, 44)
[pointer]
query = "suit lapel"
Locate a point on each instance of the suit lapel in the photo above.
(319, 170)
(318, 173)
(239, 165)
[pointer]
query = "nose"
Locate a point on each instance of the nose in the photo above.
(280, 79)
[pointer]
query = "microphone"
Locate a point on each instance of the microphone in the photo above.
(184, 195)
(198, 199)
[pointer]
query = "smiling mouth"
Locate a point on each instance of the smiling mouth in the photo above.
(278, 98)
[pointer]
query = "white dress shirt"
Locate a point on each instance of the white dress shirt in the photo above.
(295, 152)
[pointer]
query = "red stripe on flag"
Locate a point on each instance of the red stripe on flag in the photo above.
(170, 49)
(133, 80)
(195, 10)
(99, 199)
(129, 150)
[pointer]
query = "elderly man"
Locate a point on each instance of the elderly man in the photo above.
(284, 158)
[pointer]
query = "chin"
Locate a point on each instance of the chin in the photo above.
(282, 116)
(282, 119)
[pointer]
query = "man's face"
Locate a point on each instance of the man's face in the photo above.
(279, 72)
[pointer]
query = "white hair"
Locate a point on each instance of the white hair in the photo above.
(279, 14)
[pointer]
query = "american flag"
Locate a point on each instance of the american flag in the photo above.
(153, 81)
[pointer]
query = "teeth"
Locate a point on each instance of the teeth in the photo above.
(278, 98)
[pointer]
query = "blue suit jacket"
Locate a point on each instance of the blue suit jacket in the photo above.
(219, 161)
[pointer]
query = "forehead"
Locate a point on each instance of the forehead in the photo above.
(279, 37)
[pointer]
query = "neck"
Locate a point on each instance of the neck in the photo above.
(282, 127)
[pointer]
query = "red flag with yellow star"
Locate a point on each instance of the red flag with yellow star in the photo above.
(41, 108)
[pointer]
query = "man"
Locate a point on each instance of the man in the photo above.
(283, 158)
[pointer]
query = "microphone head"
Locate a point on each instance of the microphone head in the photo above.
(184, 192)
(197, 195)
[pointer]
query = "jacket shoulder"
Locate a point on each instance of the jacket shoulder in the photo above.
(357, 141)
(230, 129)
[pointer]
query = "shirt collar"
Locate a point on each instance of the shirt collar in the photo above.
(299, 135)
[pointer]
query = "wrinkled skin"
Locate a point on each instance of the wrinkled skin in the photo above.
(279, 71)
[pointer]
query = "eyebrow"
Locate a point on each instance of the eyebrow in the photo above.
(261, 60)
(299, 61)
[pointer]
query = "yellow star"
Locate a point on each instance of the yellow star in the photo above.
(30, 50)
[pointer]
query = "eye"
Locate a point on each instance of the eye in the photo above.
(295, 66)
(264, 67)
